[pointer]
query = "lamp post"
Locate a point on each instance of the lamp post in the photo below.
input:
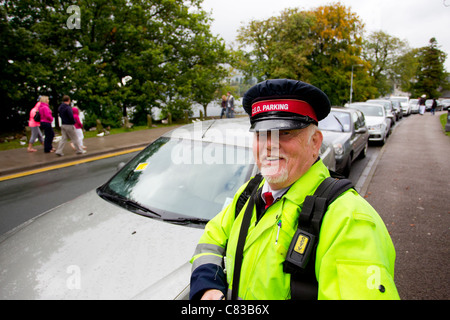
(351, 81)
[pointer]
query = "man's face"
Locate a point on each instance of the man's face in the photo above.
(284, 156)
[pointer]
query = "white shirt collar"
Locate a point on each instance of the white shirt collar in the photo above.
(275, 193)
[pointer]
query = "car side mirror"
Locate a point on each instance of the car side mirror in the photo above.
(361, 130)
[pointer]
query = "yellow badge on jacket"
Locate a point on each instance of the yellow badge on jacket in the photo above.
(301, 244)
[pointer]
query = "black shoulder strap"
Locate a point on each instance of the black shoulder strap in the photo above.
(241, 243)
(300, 259)
(303, 282)
(251, 185)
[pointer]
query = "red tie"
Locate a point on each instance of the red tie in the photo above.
(269, 199)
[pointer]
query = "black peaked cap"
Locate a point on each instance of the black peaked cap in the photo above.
(276, 89)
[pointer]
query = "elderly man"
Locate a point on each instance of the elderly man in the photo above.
(243, 255)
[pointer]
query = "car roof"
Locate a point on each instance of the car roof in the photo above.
(232, 131)
(379, 100)
(365, 104)
(348, 109)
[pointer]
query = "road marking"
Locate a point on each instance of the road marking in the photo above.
(68, 164)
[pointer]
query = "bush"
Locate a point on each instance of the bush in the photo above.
(111, 117)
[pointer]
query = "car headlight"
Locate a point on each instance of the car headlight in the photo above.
(376, 127)
(338, 149)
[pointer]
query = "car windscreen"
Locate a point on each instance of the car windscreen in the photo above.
(336, 121)
(399, 99)
(181, 178)
(369, 111)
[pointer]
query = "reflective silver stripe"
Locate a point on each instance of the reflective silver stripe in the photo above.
(229, 295)
(205, 259)
(209, 248)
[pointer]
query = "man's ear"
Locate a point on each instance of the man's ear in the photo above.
(317, 138)
(316, 141)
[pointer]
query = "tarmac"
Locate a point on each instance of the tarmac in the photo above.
(408, 185)
(19, 162)
(410, 189)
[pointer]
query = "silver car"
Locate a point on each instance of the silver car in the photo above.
(404, 102)
(133, 237)
(378, 124)
(388, 107)
(414, 105)
(346, 130)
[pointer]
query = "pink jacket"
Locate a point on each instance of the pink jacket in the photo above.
(76, 116)
(31, 122)
(46, 113)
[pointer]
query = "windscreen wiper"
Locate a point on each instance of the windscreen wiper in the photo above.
(187, 221)
(340, 123)
(138, 206)
(129, 203)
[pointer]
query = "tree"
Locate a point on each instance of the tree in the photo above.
(431, 75)
(337, 34)
(35, 59)
(405, 68)
(318, 46)
(383, 51)
(87, 51)
(279, 46)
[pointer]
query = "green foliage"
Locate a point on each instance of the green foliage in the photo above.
(125, 55)
(382, 51)
(318, 46)
(430, 76)
(279, 46)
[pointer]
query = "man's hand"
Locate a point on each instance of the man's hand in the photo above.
(213, 294)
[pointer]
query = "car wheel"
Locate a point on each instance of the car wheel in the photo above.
(384, 140)
(363, 152)
(347, 168)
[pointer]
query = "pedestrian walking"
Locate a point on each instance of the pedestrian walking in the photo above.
(422, 104)
(34, 125)
(78, 128)
(224, 106)
(230, 105)
(67, 128)
(46, 124)
(433, 106)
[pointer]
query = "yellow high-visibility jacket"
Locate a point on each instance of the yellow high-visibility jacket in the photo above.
(354, 259)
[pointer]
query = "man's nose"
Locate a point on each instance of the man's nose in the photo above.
(270, 140)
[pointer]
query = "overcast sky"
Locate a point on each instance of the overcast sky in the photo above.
(415, 21)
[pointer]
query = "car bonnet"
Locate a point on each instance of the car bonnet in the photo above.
(370, 121)
(91, 249)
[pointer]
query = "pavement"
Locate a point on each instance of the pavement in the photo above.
(18, 162)
(408, 185)
(410, 189)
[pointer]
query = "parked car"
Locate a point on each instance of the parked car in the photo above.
(346, 130)
(404, 102)
(388, 107)
(133, 237)
(398, 110)
(378, 124)
(445, 104)
(414, 104)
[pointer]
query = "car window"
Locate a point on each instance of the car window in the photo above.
(336, 121)
(355, 121)
(370, 111)
(362, 120)
(180, 177)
